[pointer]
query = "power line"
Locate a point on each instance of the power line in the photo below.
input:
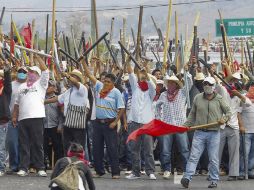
(109, 8)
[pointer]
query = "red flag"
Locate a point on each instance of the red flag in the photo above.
(156, 128)
(26, 32)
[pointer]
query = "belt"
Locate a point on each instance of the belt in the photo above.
(108, 120)
(206, 130)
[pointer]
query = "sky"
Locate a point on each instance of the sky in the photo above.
(237, 9)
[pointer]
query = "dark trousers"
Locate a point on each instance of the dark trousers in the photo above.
(52, 136)
(101, 133)
(72, 135)
(31, 141)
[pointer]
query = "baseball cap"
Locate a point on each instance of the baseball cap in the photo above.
(210, 80)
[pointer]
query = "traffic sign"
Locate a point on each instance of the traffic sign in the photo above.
(236, 27)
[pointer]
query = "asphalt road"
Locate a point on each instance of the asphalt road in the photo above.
(13, 182)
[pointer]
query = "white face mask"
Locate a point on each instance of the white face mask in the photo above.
(209, 89)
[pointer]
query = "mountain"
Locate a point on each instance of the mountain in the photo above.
(81, 21)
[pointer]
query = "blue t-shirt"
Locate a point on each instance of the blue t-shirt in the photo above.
(107, 107)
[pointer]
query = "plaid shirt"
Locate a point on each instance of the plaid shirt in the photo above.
(173, 112)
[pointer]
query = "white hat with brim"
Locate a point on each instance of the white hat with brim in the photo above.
(125, 77)
(159, 82)
(237, 76)
(78, 74)
(210, 80)
(199, 76)
(36, 69)
(174, 79)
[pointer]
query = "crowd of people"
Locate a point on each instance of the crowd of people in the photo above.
(41, 111)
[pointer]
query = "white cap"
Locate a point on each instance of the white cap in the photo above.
(210, 80)
(159, 82)
(36, 69)
(237, 75)
(125, 77)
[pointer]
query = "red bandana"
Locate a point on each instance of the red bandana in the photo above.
(1, 86)
(143, 85)
(104, 91)
(79, 155)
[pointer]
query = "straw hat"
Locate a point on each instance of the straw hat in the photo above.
(78, 74)
(174, 79)
(199, 76)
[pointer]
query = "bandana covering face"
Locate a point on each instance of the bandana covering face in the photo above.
(143, 85)
(229, 90)
(1, 86)
(105, 90)
(79, 155)
(172, 92)
(31, 78)
(250, 93)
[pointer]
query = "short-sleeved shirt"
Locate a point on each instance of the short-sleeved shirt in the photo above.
(107, 107)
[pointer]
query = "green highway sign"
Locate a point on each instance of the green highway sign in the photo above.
(236, 27)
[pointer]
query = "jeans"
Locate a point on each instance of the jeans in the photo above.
(249, 147)
(202, 139)
(231, 137)
(166, 142)
(12, 144)
(135, 146)
(3, 130)
(102, 133)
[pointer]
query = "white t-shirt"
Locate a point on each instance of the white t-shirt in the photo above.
(79, 97)
(15, 89)
(31, 99)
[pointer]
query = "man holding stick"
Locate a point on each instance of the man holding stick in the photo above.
(29, 111)
(207, 107)
(109, 109)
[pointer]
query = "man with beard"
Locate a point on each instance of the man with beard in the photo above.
(29, 111)
(208, 107)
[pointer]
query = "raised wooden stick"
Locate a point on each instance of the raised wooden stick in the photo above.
(167, 37)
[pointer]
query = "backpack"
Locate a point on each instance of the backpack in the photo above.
(69, 178)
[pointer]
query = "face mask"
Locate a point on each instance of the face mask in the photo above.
(209, 89)
(22, 76)
(31, 78)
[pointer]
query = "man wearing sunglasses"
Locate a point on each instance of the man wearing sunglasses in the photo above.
(208, 107)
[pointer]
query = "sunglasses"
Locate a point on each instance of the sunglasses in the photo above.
(22, 71)
(207, 84)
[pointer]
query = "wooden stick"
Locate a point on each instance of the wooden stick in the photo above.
(167, 38)
(176, 41)
(1, 22)
(33, 51)
(205, 126)
(53, 26)
(20, 41)
(32, 42)
(138, 49)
